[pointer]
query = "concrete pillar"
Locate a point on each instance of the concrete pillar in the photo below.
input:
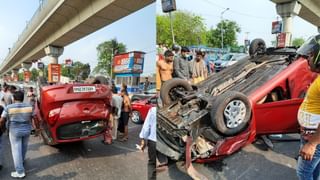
(26, 66)
(14, 74)
(54, 52)
(54, 68)
(287, 11)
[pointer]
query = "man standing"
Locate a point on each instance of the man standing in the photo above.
(198, 68)
(309, 116)
(125, 115)
(148, 135)
(181, 66)
(19, 116)
(165, 68)
(146, 84)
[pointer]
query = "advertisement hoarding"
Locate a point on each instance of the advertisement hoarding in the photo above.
(26, 76)
(276, 27)
(131, 62)
(281, 39)
(54, 71)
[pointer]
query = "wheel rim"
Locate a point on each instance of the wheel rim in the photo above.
(235, 113)
(135, 116)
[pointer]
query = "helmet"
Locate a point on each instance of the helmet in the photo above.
(311, 49)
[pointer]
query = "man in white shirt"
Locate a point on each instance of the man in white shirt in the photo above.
(149, 133)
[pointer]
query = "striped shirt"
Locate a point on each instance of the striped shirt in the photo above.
(19, 116)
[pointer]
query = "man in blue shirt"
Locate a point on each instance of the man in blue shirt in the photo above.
(148, 132)
(19, 116)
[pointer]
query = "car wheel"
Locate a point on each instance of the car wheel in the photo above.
(230, 113)
(136, 118)
(257, 46)
(168, 90)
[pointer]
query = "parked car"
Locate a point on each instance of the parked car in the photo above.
(228, 60)
(259, 95)
(145, 95)
(72, 112)
(140, 109)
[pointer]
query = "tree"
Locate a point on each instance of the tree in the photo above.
(34, 74)
(76, 71)
(106, 50)
(230, 30)
(189, 29)
(298, 42)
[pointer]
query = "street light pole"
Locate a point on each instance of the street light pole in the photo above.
(173, 41)
(222, 26)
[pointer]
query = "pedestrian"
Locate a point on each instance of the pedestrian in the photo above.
(165, 68)
(308, 166)
(198, 68)
(125, 115)
(114, 88)
(31, 96)
(148, 136)
(114, 117)
(19, 116)
(2, 130)
(181, 65)
(146, 84)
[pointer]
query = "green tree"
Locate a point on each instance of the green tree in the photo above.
(189, 29)
(21, 76)
(230, 30)
(76, 71)
(34, 74)
(105, 52)
(298, 42)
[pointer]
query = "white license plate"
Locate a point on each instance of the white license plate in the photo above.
(81, 89)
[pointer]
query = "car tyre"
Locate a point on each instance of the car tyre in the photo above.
(167, 94)
(230, 113)
(257, 46)
(136, 117)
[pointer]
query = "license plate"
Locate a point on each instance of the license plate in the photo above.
(81, 89)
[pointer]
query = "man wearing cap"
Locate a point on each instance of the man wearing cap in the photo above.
(181, 65)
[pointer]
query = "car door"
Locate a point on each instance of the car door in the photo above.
(280, 115)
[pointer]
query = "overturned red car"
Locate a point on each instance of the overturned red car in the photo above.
(140, 109)
(258, 95)
(72, 112)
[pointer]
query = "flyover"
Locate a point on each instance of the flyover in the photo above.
(60, 22)
(308, 10)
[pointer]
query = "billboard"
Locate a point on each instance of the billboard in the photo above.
(168, 5)
(54, 71)
(281, 39)
(68, 62)
(276, 27)
(131, 62)
(26, 76)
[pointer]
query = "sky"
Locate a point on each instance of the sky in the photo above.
(253, 16)
(137, 31)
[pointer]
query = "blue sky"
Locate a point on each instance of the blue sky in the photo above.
(137, 31)
(253, 16)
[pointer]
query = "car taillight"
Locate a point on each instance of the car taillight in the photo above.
(53, 116)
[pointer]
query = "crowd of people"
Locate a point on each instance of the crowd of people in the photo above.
(16, 120)
(180, 62)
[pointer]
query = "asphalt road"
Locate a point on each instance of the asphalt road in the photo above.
(253, 162)
(82, 160)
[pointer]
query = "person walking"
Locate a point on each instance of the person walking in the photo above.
(308, 167)
(19, 116)
(148, 137)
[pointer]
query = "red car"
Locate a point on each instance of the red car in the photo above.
(258, 95)
(140, 109)
(72, 112)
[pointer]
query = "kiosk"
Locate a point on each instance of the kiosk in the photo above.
(127, 68)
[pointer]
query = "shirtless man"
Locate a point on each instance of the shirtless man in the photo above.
(165, 68)
(125, 114)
